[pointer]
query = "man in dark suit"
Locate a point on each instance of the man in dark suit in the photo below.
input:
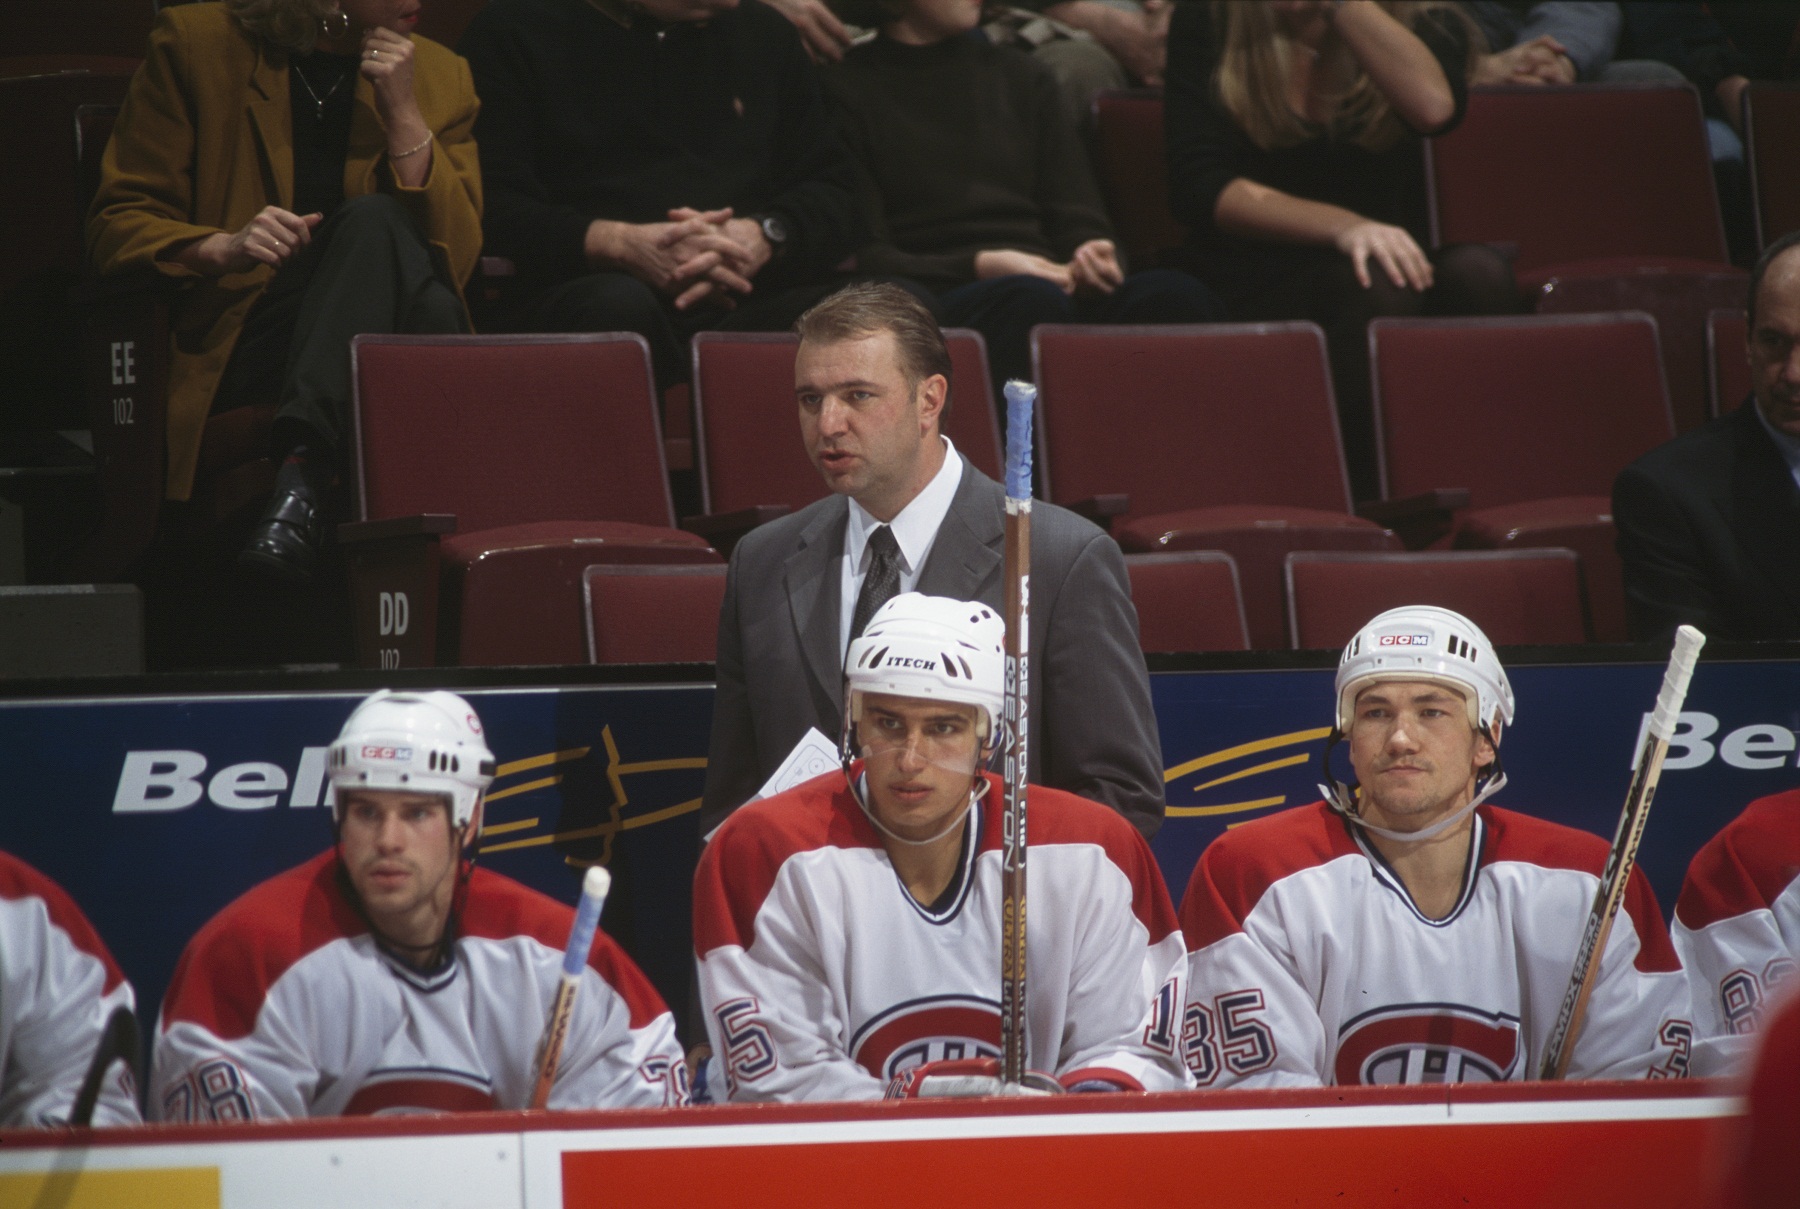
(1709, 524)
(908, 513)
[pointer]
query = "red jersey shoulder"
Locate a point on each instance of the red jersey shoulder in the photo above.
(499, 908)
(1746, 866)
(1533, 841)
(226, 970)
(742, 860)
(1058, 817)
(1238, 868)
(19, 880)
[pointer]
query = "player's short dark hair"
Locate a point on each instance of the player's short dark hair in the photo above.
(1790, 240)
(869, 307)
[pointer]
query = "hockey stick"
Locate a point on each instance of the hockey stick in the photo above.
(118, 1040)
(1020, 397)
(581, 938)
(1619, 862)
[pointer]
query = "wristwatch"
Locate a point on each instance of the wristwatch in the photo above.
(775, 231)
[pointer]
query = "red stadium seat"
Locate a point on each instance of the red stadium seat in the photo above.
(638, 614)
(1607, 193)
(115, 29)
(546, 451)
(1534, 415)
(1727, 361)
(1517, 597)
(1771, 135)
(1187, 601)
(752, 463)
(1133, 171)
(1224, 437)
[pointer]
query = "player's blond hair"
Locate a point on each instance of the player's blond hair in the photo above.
(1256, 63)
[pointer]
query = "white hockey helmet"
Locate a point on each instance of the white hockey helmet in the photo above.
(1423, 642)
(932, 647)
(421, 742)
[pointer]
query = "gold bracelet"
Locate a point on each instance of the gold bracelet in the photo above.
(400, 155)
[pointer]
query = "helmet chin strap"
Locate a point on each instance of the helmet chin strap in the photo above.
(1343, 799)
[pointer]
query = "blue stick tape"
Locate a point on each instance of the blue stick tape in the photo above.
(581, 937)
(1020, 396)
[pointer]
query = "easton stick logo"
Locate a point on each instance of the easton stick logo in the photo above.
(1428, 1043)
(933, 1029)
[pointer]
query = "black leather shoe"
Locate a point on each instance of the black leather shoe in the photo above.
(285, 543)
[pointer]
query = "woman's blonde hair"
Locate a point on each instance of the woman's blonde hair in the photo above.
(290, 24)
(1257, 62)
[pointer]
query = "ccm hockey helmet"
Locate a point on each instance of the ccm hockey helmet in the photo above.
(931, 647)
(420, 742)
(1421, 642)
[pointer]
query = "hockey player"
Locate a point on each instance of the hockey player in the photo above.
(1737, 927)
(390, 975)
(58, 988)
(848, 930)
(1403, 932)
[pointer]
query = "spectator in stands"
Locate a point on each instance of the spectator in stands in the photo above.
(908, 513)
(306, 169)
(974, 185)
(1555, 42)
(1294, 161)
(1709, 524)
(661, 167)
(58, 988)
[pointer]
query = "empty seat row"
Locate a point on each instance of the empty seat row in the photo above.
(1186, 602)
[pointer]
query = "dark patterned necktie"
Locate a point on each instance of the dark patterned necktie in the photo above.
(882, 581)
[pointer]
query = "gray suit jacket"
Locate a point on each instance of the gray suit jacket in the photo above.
(780, 669)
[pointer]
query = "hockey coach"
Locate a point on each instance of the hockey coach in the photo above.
(906, 513)
(848, 930)
(387, 974)
(1403, 930)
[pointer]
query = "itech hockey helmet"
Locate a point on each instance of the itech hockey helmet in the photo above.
(421, 742)
(1422, 642)
(932, 647)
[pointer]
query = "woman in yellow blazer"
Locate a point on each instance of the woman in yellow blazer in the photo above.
(306, 169)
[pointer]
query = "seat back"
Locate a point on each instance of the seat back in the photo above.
(1727, 364)
(1516, 408)
(651, 614)
(1580, 172)
(1133, 171)
(507, 430)
(1188, 601)
(1517, 597)
(1772, 133)
(445, 20)
(748, 433)
(1188, 416)
(118, 28)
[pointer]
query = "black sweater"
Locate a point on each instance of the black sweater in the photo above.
(1207, 151)
(961, 147)
(583, 117)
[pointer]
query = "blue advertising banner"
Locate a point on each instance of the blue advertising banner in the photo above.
(155, 811)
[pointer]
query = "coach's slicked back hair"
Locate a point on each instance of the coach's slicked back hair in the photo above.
(869, 307)
(1786, 243)
(290, 24)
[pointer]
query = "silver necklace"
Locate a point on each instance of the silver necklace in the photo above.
(319, 101)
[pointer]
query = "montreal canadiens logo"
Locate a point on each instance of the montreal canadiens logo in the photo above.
(1428, 1043)
(1404, 640)
(927, 1030)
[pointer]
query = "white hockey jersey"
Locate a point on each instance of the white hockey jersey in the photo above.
(1737, 927)
(58, 986)
(1309, 963)
(284, 1006)
(822, 977)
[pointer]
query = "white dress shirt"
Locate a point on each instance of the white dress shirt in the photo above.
(915, 528)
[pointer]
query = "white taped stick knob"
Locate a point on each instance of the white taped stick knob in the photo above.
(1688, 642)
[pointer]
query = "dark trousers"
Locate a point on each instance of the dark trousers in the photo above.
(1005, 309)
(619, 302)
(367, 269)
(1467, 279)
